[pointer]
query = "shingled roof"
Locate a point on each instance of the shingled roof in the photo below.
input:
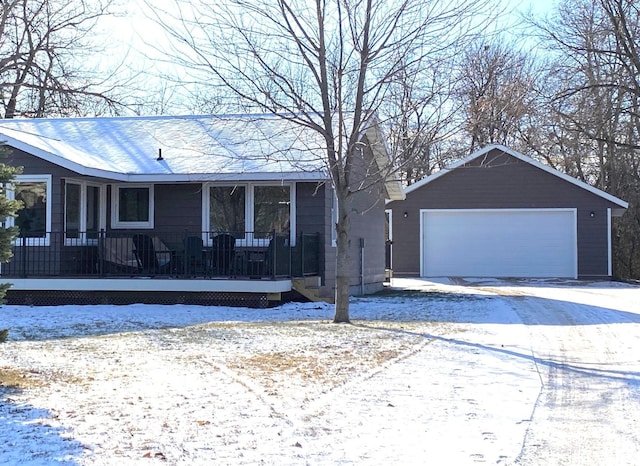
(252, 147)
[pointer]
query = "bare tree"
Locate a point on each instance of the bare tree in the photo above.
(593, 90)
(495, 88)
(326, 65)
(45, 49)
(420, 116)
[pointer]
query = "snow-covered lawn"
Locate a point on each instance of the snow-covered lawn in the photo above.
(477, 371)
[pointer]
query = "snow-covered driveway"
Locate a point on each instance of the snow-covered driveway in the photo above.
(585, 339)
(455, 373)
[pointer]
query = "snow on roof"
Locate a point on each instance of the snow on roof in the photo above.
(192, 147)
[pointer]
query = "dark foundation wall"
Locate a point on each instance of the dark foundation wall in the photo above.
(494, 181)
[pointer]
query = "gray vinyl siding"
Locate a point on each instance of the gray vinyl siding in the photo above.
(36, 166)
(314, 204)
(313, 216)
(178, 206)
(367, 223)
(311, 208)
(502, 181)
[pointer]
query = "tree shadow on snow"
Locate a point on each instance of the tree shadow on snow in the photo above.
(27, 435)
(631, 378)
(486, 306)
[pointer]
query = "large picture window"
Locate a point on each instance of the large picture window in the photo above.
(82, 212)
(132, 206)
(73, 209)
(34, 218)
(249, 212)
(227, 210)
(271, 209)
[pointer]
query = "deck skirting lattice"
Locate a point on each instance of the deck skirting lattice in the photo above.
(71, 297)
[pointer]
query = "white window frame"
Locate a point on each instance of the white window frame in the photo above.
(102, 212)
(334, 218)
(389, 212)
(115, 207)
(249, 211)
(33, 241)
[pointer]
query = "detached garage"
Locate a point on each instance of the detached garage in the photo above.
(499, 213)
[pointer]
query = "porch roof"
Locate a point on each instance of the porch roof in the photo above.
(173, 148)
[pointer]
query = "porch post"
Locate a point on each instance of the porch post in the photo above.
(274, 253)
(24, 255)
(302, 248)
(101, 240)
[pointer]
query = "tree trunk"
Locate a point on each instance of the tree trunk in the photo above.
(343, 262)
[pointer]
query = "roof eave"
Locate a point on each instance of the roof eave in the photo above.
(222, 177)
(393, 187)
(60, 161)
(524, 158)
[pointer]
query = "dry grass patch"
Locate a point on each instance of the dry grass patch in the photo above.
(317, 356)
(14, 379)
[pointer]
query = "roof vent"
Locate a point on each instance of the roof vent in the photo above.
(159, 155)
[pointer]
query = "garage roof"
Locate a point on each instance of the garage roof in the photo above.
(524, 158)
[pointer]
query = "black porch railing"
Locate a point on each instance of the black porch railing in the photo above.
(184, 254)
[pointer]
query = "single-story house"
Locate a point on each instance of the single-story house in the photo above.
(231, 209)
(499, 213)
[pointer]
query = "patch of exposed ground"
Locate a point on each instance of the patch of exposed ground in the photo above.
(17, 379)
(313, 356)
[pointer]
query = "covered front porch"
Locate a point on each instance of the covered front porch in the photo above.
(123, 267)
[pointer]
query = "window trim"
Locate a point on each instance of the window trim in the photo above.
(334, 218)
(206, 210)
(32, 241)
(249, 211)
(389, 212)
(102, 211)
(115, 207)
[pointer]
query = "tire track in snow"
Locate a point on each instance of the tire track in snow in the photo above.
(591, 385)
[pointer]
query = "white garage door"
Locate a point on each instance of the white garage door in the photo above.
(499, 243)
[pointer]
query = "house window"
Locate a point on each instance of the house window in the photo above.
(388, 225)
(82, 212)
(92, 214)
(334, 218)
(34, 218)
(227, 210)
(248, 212)
(388, 239)
(271, 210)
(132, 206)
(73, 210)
